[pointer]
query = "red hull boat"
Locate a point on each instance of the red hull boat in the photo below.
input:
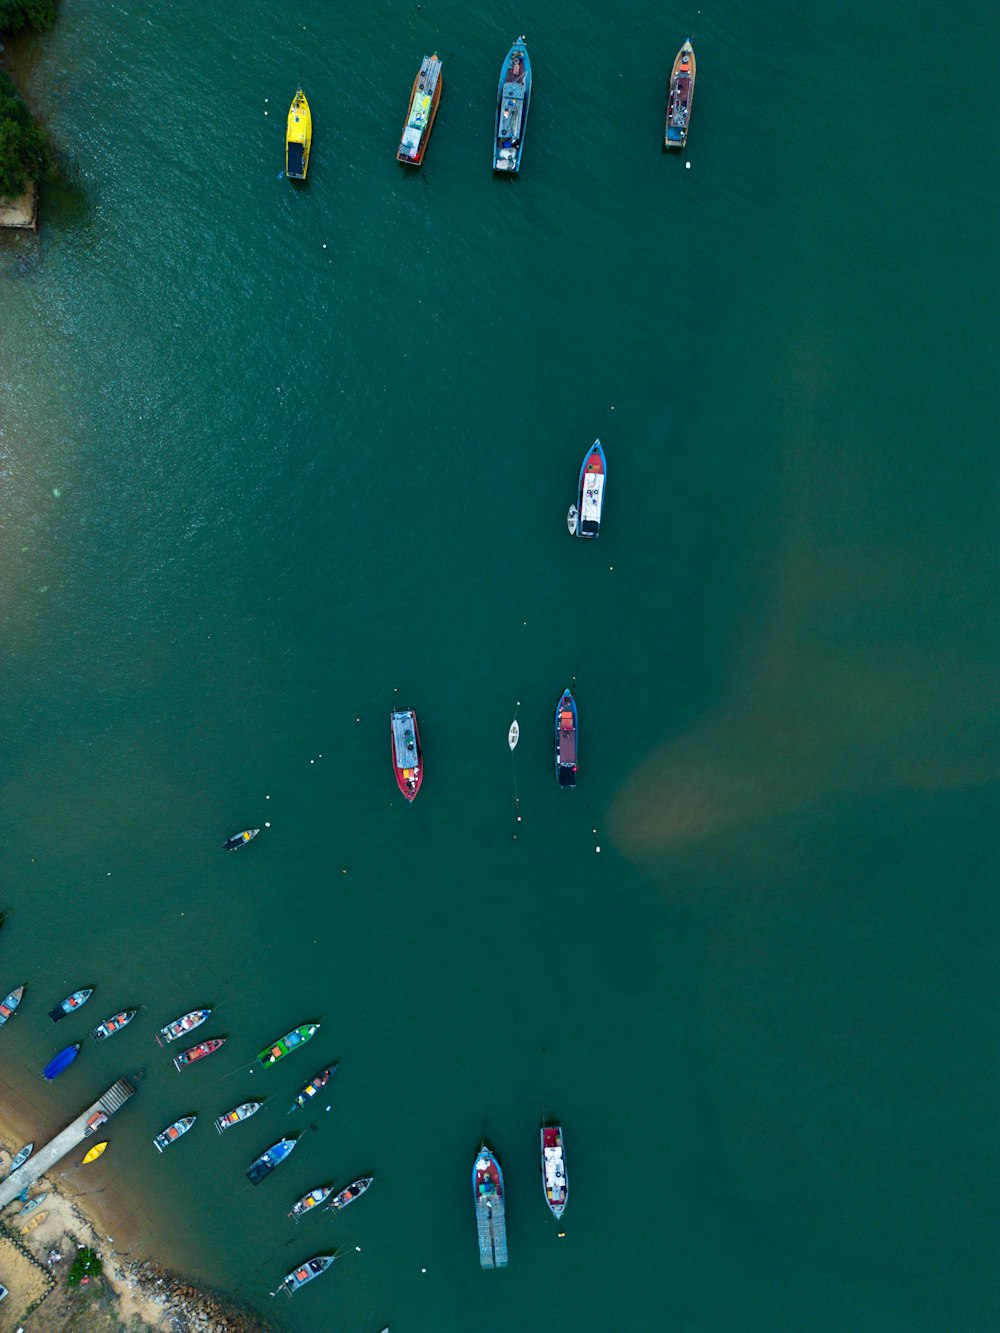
(407, 759)
(198, 1052)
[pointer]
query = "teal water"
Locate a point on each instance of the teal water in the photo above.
(276, 459)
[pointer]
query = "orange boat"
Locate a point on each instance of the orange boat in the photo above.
(680, 97)
(424, 101)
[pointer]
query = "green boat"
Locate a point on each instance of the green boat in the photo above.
(289, 1042)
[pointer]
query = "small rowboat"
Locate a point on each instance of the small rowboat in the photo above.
(555, 1182)
(70, 1004)
(10, 1003)
(173, 1132)
(94, 1153)
(61, 1061)
(114, 1024)
(32, 1204)
(298, 1277)
(680, 97)
(238, 1113)
(310, 1201)
(407, 760)
(36, 1221)
(181, 1026)
(264, 1164)
(298, 138)
(284, 1045)
(198, 1052)
(513, 736)
(21, 1157)
(239, 840)
(573, 520)
(353, 1191)
(317, 1081)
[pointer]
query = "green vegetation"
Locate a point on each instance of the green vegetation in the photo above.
(15, 15)
(86, 1264)
(24, 153)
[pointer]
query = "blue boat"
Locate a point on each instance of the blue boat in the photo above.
(566, 740)
(590, 492)
(62, 1061)
(71, 1004)
(267, 1161)
(488, 1192)
(513, 97)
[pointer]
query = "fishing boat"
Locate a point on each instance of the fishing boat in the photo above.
(317, 1082)
(70, 1004)
(310, 1201)
(21, 1157)
(181, 1026)
(566, 740)
(10, 1003)
(98, 1119)
(407, 758)
(353, 1191)
(173, 1132)
(239, 840)
(198, 1052)
(488, 1192)
(513, 98)
(298, 137)
(298, 1277)
(32, 1205)
(238, 1113)
(95, 1152)
(267, 1161)
(114, 1024)
(61, 1061)
(424, 101)
(555, 1182)
(36, 1221)
(590, 491)
(288, 1043)
(680, 97)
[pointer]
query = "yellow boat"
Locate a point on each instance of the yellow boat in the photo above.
(36, 1221)
(298, 139)
(94, 1153)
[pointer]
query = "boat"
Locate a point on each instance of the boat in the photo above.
(555, 1182)
(310, 1201)
(680, 97)
(173, 1132)
(353, 1191)
(98, 1119)
(70, 1004)
(424, 101)
(566, 740)
(298, 1277)
(513, 734)
(94, 1153)
(61, 1061)
(317, 1081)
(238, 1113)
(181, 1026)
(193, 1053)
(36, 1221)
(32, 1204)
(240, 839)
(21, 1157)
(573, 520)
(114, 1024)
(513, 98)
(284, 1045)
(407, 757)
(267, 1161)
(298, 137)
(487, 1190)
(10, 1003)
(590, 491)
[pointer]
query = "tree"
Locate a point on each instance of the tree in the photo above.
(86, 1264)
(18, 14)
(24, 154)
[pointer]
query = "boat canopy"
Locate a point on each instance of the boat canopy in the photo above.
(593, 499)
(404, 741)
(296, 159)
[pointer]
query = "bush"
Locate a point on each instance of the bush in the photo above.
(24, 153)
(86, 1264)
(18, 14)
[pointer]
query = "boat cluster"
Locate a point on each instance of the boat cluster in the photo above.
(489, 1194)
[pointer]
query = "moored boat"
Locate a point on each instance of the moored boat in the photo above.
(114, 1024)
(32, 1205)
(555, 1181)
(298, 138)
(193, 1053)
(488, 1193)
(267, 1161)
(173, 1132)
(33, 1222)
(61, 1061)
(181, 1026)
(566, 740)
(353, 1191)
(288, 1043)
(240, 839)
(424, 101)
(298, 1277)
(407, 758)
(310, 1201)
(70, 1004)
(317, 1082)
(513, 99)
(590, 491)
(21, 1157)
(9, 1003)
(96, 1151)
(238, 1113)
(679, 97)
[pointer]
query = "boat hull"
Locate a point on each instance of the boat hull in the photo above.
(488, 1195)
(424, 99)
(60, 1062)
(70, 1005)
(180, 1027)
(199, 1052)
(173, 1132)
(239, 840)
(236, 1116)
(298, 138)
(8, 1005)
(555, 1181)
(566, 740)
(313, 1268)
(353, 1191)
(407, 754)
(263, 1166)
(680, 96)
(591, 491)
(288, 1043)
(513, 101)
(315, 1085)
(113, 1024)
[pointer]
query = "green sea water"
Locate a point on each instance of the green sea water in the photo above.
(276, 459)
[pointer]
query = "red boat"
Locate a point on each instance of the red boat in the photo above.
(198, 1052)
(406, 754)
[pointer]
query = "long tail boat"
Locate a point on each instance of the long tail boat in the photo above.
(181, 1026)
(513, 99)
(407, 758)
(679, 98)
(555, 1182)
(193, 1053)
(566, 740)
(9, 1003)
(61, 1061)
(21, 1157)
(424, 101)
(32, 1205)
(114, 1024)
(33, 1222)
(298, 1277)
(298, 137)
(314, 1085)
(288, 1043)
(590, 492)
(353, 1191)
(238, 1113)
(488, 1193)
(264, 1164)
(310, 1201)
(70, 1005)
(239, 840)
(173, 1132)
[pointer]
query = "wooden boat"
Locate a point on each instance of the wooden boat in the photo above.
(267, 1161)
(70, 1004)
(21, 1157)
(590, 491)
(239, 840)
(173, 1132)
(407, 757)
(679, 97)
(193, 1053)
(288, 1043)
(488, 1193)
(10, 1003)
(310, 1201)
(238, 1113)
(36, 1221)
(555, 1182)
(353, 1191)
(98, 1119)
(566, 740)
(298, 138)
(181, 1026)
(513, 99)
(298, 1277)
(424, 101)
(114, 1024)
(95, 1152)
(32, 1205)
(61, 1061)
(317, 1082)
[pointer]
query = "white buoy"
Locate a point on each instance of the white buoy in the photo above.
(687, 166)
(267, 823)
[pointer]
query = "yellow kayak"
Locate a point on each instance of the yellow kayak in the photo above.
(298, 139)
(94, 1153)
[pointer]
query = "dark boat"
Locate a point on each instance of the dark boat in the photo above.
(198, 1052)
(513, 99)
(487, 1190)
(407, 759)
(317, 1082)
(298, 1277)
(240, 839)
(173, 1132)
(590, 492)
(424, 101)
(555, 1182)
(353, 1191)
(267, 1161)
(10, 1003)
(114, 1024)
(680, 97)
(288, 1043)
(61, 1061)
(238, 1113)
(566, 738)
(70, 1005)
(181, 1026)
(310, 1201)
